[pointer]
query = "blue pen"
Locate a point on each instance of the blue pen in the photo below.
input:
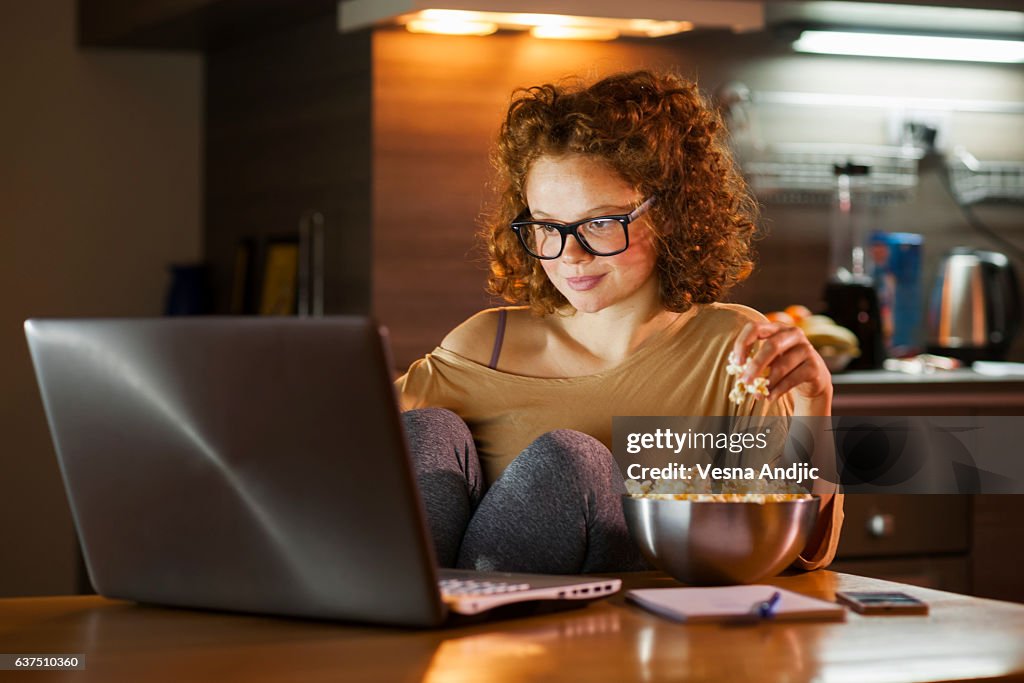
(766, 609)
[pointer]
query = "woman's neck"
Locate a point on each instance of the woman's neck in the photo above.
(611, 335)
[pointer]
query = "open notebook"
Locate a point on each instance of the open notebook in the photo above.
(733, 603)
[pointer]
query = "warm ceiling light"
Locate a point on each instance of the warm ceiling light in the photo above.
(640, 18)
(452, 27)
(523, 19)
(910, 46)
(656, 29)
(574, 32)
(540, 25)
(449, 15)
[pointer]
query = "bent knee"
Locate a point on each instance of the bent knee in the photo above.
(568, 448)
(434, 421)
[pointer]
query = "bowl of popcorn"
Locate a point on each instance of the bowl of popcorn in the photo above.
(730, 537)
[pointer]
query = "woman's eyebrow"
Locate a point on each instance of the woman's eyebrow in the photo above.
(596, 212)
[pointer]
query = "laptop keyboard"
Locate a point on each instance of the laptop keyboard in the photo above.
(466, 587)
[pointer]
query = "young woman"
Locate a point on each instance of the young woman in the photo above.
(622, 223)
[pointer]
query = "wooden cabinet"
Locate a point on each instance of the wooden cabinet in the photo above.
(904, 525)
(918, 539)
(188, 24)
(958, 543)
(997, 547)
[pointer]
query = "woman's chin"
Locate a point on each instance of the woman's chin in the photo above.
(586, 304)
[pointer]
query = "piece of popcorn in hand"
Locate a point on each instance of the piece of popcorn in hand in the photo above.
(759, 387)
(756, 388)
(738, 393)
(734, 367)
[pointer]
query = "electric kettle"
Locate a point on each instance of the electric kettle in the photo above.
(975, 307)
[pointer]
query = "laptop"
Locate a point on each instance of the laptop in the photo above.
(253, 465)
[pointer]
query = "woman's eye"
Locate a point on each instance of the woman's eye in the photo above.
(548, 229)
(601, 226)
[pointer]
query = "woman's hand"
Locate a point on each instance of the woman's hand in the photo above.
(794, 365)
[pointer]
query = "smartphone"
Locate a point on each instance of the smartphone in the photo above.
(881, 602)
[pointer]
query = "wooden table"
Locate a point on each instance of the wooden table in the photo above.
(963, 638)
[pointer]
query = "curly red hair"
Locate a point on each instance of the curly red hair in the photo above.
(661, 136)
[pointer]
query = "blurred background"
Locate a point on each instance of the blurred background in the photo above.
(321, 157)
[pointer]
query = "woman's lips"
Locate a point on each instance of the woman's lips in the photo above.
(582, 284)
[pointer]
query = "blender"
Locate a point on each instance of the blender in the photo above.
(850, 295)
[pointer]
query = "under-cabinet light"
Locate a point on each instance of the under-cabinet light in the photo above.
(909, 46)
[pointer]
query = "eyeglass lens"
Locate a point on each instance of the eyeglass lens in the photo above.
(602, 236)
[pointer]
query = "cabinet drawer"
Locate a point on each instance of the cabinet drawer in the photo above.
(942, 573)
(894, 525)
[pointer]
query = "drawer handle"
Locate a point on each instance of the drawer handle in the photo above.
(881, 525)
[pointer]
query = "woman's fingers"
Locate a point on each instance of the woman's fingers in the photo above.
(746, 339)
(749, 335)
(802, 373)
(786, 353)
(778, 342)
(785, 364)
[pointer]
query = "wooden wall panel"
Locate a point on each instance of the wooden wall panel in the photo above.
(288, 131)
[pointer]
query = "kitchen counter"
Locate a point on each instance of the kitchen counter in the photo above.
(945, 392)
(960, 376)
(963, 638)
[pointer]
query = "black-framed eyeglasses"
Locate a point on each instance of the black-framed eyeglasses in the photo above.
(600, 236)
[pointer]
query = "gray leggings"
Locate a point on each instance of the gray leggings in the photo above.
(556, 509)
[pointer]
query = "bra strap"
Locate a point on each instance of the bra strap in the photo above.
(498, 338)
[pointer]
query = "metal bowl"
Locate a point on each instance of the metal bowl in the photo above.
(720, 543)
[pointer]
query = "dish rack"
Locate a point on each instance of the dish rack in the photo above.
(804, 173)
(976, 181)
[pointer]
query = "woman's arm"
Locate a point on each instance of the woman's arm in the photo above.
(473, 339)
(796, 368)
(821, 547)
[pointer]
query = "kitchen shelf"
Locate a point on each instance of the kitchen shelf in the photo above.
(976, 181)
(795, 173)
(803, 173)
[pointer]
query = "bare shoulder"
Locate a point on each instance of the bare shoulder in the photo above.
(473, 339)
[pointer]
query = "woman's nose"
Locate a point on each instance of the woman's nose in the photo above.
(573, 252)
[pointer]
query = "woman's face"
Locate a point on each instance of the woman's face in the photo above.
(569, 188)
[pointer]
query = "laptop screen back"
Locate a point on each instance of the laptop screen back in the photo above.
(246, 464)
